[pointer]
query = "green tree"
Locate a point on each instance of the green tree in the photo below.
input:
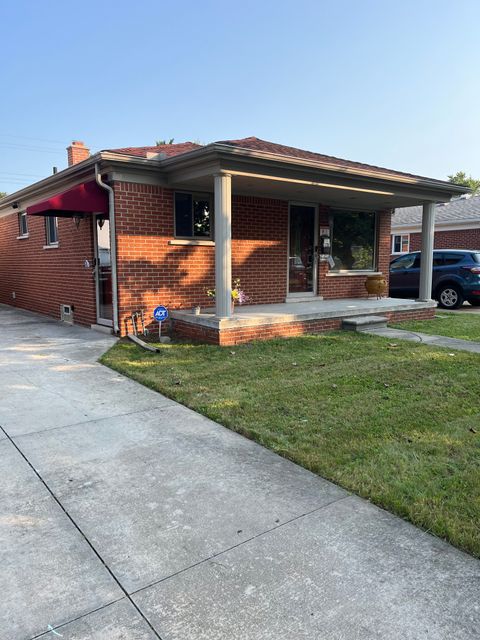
(461, 178)
(160, 142)
(3, 194)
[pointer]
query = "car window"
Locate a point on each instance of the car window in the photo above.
(405, 262)
(453, 258)
(438, 259)
(476, 257)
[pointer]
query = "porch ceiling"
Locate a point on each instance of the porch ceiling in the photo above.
(333, 184)
(368, 197)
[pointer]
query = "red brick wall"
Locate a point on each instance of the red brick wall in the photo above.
(151, 271)
(45, 278)
(460, 239)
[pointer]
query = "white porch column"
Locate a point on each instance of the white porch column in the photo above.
(223, 245)
(426, 264)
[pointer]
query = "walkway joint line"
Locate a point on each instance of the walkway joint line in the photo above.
(79, 529)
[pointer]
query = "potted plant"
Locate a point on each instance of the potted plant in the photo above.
(238, 294)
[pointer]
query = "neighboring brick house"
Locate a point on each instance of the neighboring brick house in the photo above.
(127, 229)
(457, 226)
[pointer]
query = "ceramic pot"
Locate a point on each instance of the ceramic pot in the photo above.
(376, 285)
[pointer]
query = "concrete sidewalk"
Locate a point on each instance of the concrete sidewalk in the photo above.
(125, 516)
(426, 338)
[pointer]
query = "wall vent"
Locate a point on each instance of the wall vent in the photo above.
(66, 313)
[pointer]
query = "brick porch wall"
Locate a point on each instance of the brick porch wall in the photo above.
(243, 335)
(151, 271)
(43, 279)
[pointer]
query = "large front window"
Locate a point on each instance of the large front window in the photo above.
(193, 215)
(353, 240)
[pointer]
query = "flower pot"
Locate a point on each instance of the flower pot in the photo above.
(196, 311)
(376, 285)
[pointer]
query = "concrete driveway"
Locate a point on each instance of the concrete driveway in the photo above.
(125, 516)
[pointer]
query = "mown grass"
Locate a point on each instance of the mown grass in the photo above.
(397, 424)
(454, 325)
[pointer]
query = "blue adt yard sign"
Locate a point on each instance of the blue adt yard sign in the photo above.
(160, 313)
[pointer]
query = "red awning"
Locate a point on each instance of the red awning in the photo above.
(87, 197)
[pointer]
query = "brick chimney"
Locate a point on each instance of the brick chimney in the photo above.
(77, 152)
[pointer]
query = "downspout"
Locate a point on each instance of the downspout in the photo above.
(113, 245)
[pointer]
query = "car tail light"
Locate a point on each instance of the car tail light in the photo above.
(472, 269)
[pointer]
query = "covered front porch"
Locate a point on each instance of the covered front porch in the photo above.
(266, 321)
(328, 229)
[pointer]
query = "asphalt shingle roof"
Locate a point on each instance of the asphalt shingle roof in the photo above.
(458, 210)
(256, 144)
(169, 150)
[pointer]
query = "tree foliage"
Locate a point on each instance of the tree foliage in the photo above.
(462, 179)
(3, 194)
(161, 142)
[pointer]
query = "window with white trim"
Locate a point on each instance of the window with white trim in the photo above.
(22, 224)
(51, 230)
(193, 215)
(401, 243)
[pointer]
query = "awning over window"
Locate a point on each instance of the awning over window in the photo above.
(83, 199)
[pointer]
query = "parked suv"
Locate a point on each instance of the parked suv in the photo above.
(456, 277)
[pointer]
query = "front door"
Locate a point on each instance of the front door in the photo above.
(103, 270)
(302, 262)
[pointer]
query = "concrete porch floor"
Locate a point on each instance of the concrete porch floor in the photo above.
(290, 312)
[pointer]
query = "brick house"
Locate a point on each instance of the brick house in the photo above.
(457, 226)
(127, 229)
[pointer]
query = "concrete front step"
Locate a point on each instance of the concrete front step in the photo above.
(364, 323)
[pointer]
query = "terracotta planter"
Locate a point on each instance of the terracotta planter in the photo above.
(376, 285)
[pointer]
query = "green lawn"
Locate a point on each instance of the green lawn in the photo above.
(455, 325)
(395, 423)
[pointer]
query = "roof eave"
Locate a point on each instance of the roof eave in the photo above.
(80, 168)
(215, 149)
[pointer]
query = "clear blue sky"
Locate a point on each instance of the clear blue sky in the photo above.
(380, 81)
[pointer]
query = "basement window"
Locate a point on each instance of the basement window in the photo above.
(193, 215)
(51, 230)
(22, 224)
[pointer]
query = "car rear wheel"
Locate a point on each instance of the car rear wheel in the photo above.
(449, 296)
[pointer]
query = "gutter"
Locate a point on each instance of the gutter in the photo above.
(113, 245)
